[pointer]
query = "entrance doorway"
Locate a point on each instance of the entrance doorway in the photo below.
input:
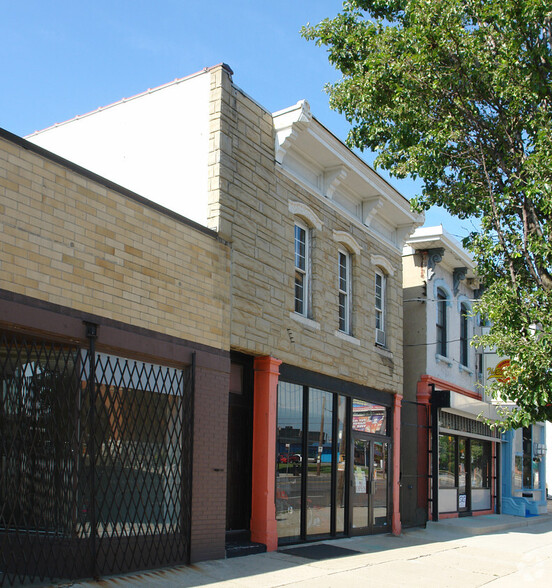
(370, 489)
(238, 485)
(465, 474)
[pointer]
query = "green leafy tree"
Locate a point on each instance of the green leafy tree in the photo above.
(458, 93)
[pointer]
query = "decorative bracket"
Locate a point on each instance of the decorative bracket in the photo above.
(286, 136)
(404, 231)
(434, 256)
(458, 274)
(370, 208)
(332, 178)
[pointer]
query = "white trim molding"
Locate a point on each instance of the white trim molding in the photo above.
(306, 213)
(307, 322)
(348, 240)
(382, 262)
(347, 337)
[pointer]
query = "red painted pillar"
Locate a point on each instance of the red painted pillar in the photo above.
(263, 510)
(396, 488)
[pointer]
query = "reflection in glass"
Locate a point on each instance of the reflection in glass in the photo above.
(319, 464)
(480, 464)
(139, 456)
(379, 484)
(527, 458)
(289, 457)
(369, 417)
(361, 483)
(463, 464)
(517, 474)
(341, 465)
(447, 461)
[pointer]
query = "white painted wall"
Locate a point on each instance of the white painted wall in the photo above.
(155, 144)
(450, 371)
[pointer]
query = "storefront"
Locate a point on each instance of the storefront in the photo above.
(465, 474)
(524, 484)
(333, 465)
(464, 477)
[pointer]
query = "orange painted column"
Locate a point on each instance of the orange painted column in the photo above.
(263, 509)
(396, 488)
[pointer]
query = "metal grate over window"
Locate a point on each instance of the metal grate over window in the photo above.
(95, 462)
(462, 424)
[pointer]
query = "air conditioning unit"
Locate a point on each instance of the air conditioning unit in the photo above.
(380, 337)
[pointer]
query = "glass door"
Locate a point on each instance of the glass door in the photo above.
(360, 513)
(369, 503)
(379, 491)
(463, 476)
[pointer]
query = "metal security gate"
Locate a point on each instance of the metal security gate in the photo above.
(415, 453)
(95, 461)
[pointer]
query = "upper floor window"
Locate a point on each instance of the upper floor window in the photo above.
(380, 308)
(302, 269)
(441, 322)
(464, 338)
(344, 259)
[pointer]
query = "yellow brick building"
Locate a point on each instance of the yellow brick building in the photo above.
(298, 277)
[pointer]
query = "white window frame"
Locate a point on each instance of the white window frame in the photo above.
(464, 337)
(344, 291)
(303, 270)
(442, 327)
(379, 306)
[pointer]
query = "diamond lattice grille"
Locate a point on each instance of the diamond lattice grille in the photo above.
(94, 462)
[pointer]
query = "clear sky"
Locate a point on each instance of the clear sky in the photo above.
(62, 58)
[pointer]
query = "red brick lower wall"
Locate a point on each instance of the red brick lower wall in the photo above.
(209, 465)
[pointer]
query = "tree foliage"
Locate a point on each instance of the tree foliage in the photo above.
(459, 94)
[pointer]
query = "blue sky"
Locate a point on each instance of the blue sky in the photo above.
(62, 58)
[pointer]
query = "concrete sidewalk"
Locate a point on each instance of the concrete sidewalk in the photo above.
(500, 550)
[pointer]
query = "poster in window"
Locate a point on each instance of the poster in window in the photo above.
(360, 482)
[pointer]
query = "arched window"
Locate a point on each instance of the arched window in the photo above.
(344, 290)
(302, 269)
(464, 337)
(348, 246)
(442, 322)
(306, 221)
(379, 304)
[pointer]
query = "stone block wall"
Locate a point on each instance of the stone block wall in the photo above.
(249, 199)
(70, 239)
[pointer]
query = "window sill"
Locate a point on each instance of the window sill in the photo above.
(466, 369)
(443, 359)
(307, 322)
(348, 338)
(383, 351)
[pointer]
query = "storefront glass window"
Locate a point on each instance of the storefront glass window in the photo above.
(289, 447)
(319, 462)
(369, 417)
(480, 464)
(537, 438)
(447, 461)
(341, 464)
(527, 458)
